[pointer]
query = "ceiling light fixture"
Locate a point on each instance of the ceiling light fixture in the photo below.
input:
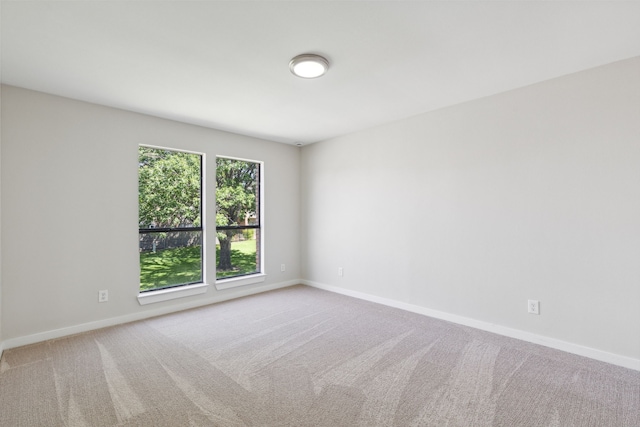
(309, 66)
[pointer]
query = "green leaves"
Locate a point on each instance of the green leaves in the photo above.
(169, 188)
(236, 190)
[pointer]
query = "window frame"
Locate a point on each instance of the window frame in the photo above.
(259, 276)
(208, 180)
(188, 288)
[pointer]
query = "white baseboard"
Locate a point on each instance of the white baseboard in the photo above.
(90, 326)
(592, 353)
(1, 349)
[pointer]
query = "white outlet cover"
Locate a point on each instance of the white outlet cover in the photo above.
(533, 306)
(103, 296)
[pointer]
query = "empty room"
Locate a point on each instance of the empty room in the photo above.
(320, 213)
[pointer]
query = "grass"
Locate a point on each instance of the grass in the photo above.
(170, 267)
(177, 266)
(243, 258)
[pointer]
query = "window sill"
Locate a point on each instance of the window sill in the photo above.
(172, 293)
(234, 282)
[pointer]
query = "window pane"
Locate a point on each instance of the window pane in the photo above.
(170, 259)
(169, 198)
(237, 205)
(169, 188)
(237, 192)
(242, 249)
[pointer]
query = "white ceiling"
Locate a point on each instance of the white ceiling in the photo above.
(224, 64)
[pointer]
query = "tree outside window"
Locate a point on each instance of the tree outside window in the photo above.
(237, 217)
(169, 218)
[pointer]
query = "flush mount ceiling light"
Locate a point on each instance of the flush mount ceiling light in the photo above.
(309, 66)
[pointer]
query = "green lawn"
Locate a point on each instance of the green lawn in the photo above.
(243, 258)
(183, 265)
(170, 267)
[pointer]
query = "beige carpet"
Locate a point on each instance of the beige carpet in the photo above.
(304, 357)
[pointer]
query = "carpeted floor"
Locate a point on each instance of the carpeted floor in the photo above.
(305, 357)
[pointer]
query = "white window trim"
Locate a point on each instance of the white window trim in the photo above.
(167, 294)
(234, 282)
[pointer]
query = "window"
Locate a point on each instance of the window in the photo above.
(169, 218)
(238, 229)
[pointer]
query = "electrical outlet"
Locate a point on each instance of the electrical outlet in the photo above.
(533, 306)
(340, 272)
(103, 296)
(282, 267)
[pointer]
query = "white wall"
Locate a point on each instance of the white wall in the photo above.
(474, 209)
(1, 342)
(69, 209)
